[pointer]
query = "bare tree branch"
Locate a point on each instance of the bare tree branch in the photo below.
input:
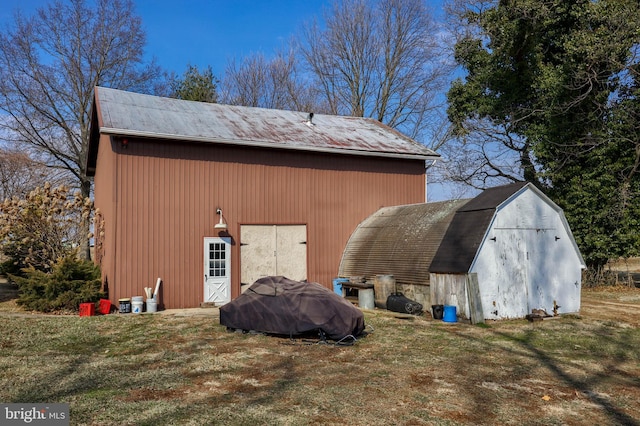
(380, 59)
(274, 83)
(49, 65)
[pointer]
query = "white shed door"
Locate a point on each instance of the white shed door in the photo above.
(510, 291)
(267, 250)
(217, 270)
(524, 272)
(542, 275)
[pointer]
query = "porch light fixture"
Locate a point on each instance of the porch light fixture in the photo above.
(221, 224)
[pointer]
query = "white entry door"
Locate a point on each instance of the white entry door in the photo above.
(268, 250)
(217, 270)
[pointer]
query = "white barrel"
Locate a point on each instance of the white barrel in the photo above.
(365, 298)
(152, 305)
(136, 306)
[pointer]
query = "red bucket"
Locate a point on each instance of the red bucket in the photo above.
(87, 309)
(105, 306)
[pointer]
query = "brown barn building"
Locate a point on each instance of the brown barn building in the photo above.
(210, 197)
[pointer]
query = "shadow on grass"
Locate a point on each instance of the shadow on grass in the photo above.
(171, 372)
(526, 345)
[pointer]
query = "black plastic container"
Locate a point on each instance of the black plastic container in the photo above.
(397, 302)
(437, 311)
(125, 306)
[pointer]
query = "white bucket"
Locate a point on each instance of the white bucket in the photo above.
(136, 306)
(152, 305)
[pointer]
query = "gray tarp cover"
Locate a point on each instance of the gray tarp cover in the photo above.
(278, 305)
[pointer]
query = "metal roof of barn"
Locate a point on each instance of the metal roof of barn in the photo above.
(399, 241)
(122, 113)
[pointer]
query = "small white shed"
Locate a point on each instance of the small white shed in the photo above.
(506, 252)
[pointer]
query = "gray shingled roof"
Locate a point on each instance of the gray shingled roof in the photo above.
(467, 229)
(124, 113)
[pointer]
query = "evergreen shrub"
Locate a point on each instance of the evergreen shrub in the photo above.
(71, 281)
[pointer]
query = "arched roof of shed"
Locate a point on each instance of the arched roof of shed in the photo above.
(399, 241)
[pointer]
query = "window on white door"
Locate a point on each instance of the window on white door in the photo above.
(217, 270)
(217, 260)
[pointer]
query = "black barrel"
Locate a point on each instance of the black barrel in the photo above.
(397, 302)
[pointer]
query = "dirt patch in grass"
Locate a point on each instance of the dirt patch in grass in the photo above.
(167, 370)
(617, 304)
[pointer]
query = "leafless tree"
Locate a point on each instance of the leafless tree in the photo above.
(245, 84)
(49, 66)
(486, 156)
(19, 174)
(381, 59)
(275, 83)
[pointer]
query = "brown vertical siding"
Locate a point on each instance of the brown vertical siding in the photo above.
(164, 197)
(105, 202)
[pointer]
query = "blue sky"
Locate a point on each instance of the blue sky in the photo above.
(202, 33)
(208, 32)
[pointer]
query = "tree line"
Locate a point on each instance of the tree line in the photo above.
(509, 90)
(550, 96)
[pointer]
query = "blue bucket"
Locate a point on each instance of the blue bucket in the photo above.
(337, 285)
(450, 314)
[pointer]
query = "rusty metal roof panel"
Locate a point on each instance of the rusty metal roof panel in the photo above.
(399, 241)
(133, 114)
